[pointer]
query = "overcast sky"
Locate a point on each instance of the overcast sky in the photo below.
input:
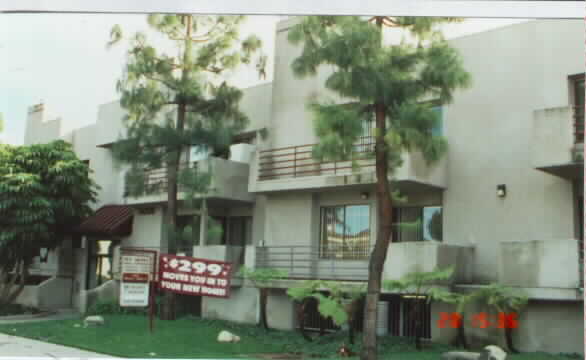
(61, 60)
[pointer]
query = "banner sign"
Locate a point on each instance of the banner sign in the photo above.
(191, 276)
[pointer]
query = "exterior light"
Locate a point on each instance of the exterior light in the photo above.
(364, 195)
(44, 254)
(501, 190)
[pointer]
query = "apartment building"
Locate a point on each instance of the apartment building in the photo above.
(503, 205)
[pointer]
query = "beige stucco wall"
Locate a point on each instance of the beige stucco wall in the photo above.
(552, 326)
(509, 84)
(147, 230)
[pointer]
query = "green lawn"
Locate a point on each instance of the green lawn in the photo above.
(128, 336)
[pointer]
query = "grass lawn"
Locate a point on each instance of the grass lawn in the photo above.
(128, 336)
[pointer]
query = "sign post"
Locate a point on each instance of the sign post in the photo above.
(138, 270)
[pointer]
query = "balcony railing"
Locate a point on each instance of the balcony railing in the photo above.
(297, 161)
(155, 180)
(578, 124)
(308, 262)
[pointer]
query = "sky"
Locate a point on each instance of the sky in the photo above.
(62, 61)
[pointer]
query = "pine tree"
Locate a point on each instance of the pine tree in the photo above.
(390, 84)
(174, 102)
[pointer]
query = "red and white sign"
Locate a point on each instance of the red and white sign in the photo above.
(191, 276)
(137, 268)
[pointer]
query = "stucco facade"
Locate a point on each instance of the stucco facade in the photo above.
(513, 127)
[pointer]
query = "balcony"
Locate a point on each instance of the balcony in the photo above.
(294, 168)
(307, 262)
(229, 182)
(424, 256)
(558, 141)
(553, 264)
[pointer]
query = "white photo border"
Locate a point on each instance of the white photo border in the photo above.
(457, 8)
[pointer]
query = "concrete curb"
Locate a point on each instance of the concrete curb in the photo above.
(28, 316)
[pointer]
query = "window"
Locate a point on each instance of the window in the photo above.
(417, 224)
(240, 231)
(236, 231)
(345, 232)
(186, 244)
(437, 130)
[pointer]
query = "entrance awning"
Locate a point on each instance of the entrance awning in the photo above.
(109, 220)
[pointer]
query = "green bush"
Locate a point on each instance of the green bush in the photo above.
(112, 306)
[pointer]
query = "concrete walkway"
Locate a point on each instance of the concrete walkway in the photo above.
(64, 314)
(15, 347)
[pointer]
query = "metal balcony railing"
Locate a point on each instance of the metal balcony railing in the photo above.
(310, 262)
(578, 124)
(155, 180)
(297, 161)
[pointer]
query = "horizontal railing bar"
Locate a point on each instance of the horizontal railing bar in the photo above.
(312, 171)
(311, 164)
(298, 146)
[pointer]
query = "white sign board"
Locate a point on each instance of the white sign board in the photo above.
(134, 294)
(137, 264)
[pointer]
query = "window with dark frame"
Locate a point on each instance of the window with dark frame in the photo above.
(345, 232)
(417, 223)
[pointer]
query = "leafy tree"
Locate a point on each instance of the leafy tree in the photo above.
(461, 301)
(423, 287)
(261, 279)
(340, 305)
(303, 294)
(45, 190)
(174, 102)
(504, 300)
(389, 84)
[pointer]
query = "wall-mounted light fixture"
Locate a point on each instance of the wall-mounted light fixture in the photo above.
(364, 195)
(501, 190)
(43, 254)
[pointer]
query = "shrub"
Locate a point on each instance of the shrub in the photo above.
(112, 306)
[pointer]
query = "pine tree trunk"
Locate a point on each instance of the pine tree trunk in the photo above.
(379, 254)
(168, 311)
(264, 295)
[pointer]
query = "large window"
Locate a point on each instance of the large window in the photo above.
(235, 231)
(345, 232)
(417, 224)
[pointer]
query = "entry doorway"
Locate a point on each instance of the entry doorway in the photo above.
(100, 262)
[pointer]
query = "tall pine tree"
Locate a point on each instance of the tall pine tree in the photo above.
(390, 84)
(177, 101)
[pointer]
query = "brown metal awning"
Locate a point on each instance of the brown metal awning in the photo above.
(109, 220)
